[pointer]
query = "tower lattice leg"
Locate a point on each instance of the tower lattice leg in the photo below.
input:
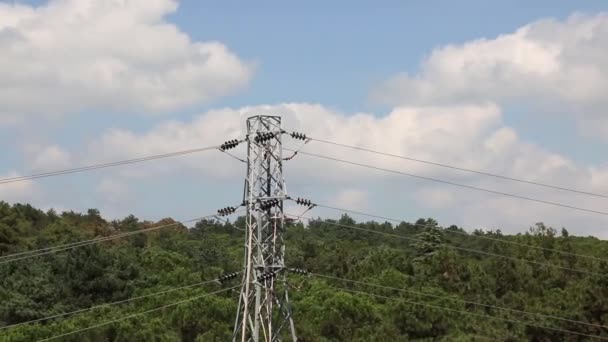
(264, 311)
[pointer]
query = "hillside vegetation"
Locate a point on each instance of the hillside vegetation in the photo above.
(436, 267)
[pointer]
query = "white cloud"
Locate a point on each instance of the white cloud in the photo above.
(436, 198)
(114, 190)
(412, 131)
(512, 215)
(559, 65)
(206, 130)
(122, 55)
(72, 55)
(17, 191)
(354, 199)
(466, 136)
(47, 158)
(599, 178)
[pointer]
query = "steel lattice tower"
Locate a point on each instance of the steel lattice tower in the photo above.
(264, 311)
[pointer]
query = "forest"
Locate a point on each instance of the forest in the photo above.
(367, 281)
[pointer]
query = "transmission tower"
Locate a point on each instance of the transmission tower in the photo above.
(264, 311)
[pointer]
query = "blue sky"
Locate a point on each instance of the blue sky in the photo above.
(331, 54)
(334, 52)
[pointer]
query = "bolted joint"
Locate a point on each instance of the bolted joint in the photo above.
(266, 275)
(229, 145)
(262, 137)
(304, 202)
(227, 276)
(226, 211)
(299, 136)
(298, 271)
(269, 204)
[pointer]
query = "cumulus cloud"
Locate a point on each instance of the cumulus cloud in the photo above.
(210, 129)
(434, 197)
(421, 131)
(72, 55)
(462, 135)
(599, 178)
(17, 191)
(46, 158)
(354, 199)
(114, 190)
(551, 64)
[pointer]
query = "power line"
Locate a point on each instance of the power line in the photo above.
(461, 168)
(137, 314)
(60, 248)
(457, 247)
(460, 300)
(453, 183)
(105, 165)
(470, 313)
(54, 249)
(235, 157)
(107, 304)
(470, 235)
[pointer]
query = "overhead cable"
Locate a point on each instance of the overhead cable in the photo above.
(484, 173)
(105, 165)
(459, 300)
(469, 313)
(137, 314)
(458, 247)
(553, 250)
(437, 180)
(59, 248)
(109, 304)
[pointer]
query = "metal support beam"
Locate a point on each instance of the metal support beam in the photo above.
(264, 312)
